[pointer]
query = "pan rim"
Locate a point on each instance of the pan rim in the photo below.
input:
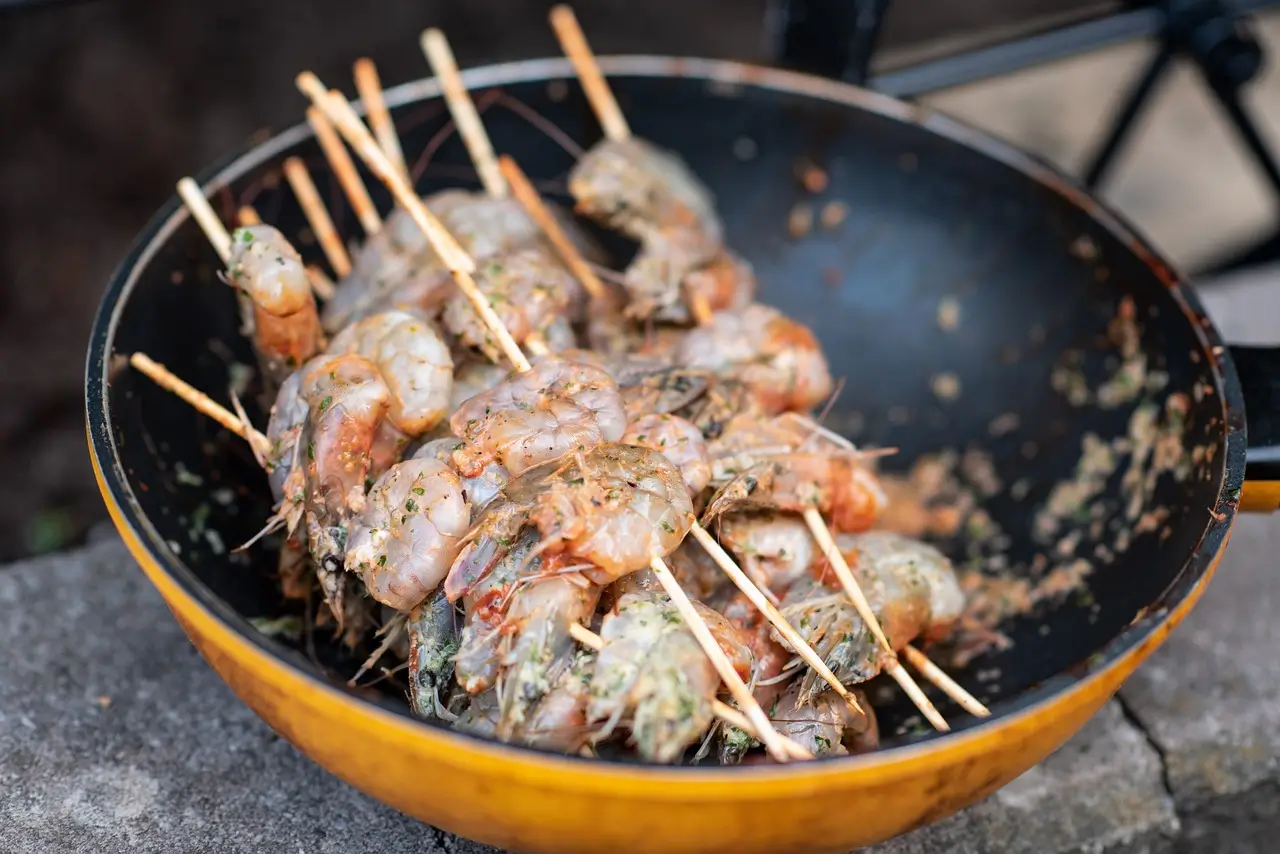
(1186, 585)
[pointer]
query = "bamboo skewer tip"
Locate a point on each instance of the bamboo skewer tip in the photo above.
(460, 264)
(369, 85)
(344, 169)
(202, 212)
(463, 109)
(574, 44)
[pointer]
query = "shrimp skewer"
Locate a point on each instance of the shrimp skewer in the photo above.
(459, 263)
(725, 712)
(694, 478)
(264, 266)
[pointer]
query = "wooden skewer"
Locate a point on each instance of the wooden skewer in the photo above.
(775, 618)
(246, 215)
(818, 527)
(344, 169)
(764, 730)
(528, 197)
(375, 106)
(459, 263)
(723, 711)
(463, 110)
(169, 381)
(574, 44)
(295, 172)
(202, 212)
(945, 683)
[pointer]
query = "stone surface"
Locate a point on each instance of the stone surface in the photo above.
(114, 736)
(1104, 788)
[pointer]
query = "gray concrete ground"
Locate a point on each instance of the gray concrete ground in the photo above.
(115, 737)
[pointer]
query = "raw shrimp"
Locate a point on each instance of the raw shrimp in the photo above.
(652, 671)
(394, 268)
(728, 282)
(612, 508)
(480, 715)
(414, 361)
(288, 417)
(286, 327)
(822, 726)
(479, 490)
(516, 634)
(774, 549)
(699, 575)
(901, 578)
(530, 292)
(472, 377)
(409, 533)
(785, 464)
(723, 400)
(891, 555)
(536, 646)
(433, 642)
(559, 721)
(679, 441)
(484, 604)
(347, 401)
(652, 197)
(649, 384)
(778, 358)
(556, 407)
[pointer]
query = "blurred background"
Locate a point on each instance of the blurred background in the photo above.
(105, 103)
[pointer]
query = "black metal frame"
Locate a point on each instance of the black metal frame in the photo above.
(838, 38)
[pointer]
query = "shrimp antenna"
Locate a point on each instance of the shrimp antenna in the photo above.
(344, 169)
(463, 111)
(574, 44)
(299, 178)
(460, 264)
(375, 106)
(723, 711)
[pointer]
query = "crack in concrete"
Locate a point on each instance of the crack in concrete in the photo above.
(1134, 720)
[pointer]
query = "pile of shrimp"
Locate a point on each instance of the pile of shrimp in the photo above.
(469, 519)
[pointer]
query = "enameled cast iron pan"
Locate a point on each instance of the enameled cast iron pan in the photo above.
(1033, 271)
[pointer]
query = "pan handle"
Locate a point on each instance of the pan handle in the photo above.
(1259, 372)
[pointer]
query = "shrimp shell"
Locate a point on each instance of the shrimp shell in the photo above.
(414, 361)
(529, 291)
(347, 401)
(556, 407)
(679, 441)
(433, 641)
(478, 490)
(409, 533)
(778, 358)
(286, 327)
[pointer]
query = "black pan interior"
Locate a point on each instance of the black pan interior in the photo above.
(930, 220)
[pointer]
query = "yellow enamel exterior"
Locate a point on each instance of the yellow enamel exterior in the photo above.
(526, 801)
(1260, 496)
